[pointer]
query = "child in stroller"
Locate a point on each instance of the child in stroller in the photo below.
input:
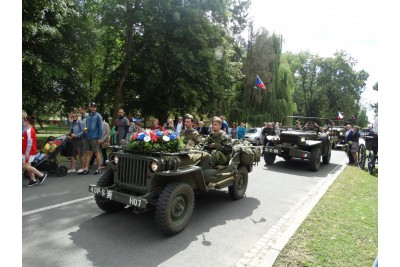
(49, 147)
(48, 162)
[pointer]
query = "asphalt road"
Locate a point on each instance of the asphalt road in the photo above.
(62, 226)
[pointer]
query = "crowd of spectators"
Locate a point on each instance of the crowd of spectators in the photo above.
(91, 134)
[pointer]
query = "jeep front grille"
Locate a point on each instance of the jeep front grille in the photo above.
(291, 139)
(132, 171)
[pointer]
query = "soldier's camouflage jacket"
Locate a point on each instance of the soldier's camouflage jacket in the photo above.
(190, 135)
(222, 142)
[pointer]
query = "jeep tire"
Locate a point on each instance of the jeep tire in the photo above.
(315, 159)
(174, 207)
(269, 158)
(238, 189)
(107, 179)
(327, 158)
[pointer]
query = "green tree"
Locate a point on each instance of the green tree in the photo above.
(375, 105)
(263, 59)
(324, 86)
(362, 118)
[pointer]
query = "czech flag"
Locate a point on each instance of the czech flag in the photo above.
(339, 115)
(259, 83)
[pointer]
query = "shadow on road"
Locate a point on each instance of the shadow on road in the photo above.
(301, 167)
(128, 239)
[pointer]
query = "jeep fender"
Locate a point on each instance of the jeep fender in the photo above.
(193, 175)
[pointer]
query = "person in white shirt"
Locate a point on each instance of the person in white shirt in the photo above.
(375, 126)
(179, 125)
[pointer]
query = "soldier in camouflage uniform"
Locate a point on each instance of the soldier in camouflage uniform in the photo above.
(191, 136)
(218, 144)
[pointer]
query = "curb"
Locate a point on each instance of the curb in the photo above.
(268, 247)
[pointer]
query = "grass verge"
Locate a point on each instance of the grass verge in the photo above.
(342, 229)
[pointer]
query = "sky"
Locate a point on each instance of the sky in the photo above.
(323, 27)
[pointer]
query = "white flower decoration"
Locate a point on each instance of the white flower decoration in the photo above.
(147, 138)
(166, 138)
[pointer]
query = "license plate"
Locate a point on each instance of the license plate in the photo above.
(272, 150)
(118, 196)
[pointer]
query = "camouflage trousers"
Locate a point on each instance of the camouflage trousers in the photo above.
(194, 159)
(218, 158)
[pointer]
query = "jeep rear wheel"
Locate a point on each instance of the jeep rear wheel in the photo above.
(315, 159)
(269, 158)
(174, 207)
(107, 179)
(238, 189)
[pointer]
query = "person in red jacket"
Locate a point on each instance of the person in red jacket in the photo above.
(29, 152)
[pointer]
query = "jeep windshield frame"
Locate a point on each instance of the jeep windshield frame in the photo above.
(322, 122)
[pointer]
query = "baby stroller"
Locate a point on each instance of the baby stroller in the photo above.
(49, 163)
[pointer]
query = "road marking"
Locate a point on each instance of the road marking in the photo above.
(56, 205)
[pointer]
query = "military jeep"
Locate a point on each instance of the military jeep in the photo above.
(310, 142)
(168, 182)
(337, 133)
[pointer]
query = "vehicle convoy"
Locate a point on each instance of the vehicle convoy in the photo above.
(169, 181)
(310, 142)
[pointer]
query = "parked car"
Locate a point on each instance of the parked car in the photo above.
(254, 136)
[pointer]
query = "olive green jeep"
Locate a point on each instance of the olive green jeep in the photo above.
(169, 182)
(310, 142)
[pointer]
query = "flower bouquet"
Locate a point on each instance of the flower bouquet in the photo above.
(155, 141)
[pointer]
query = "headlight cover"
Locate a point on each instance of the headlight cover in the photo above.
(114, 159)
(153, 166)
(303, 139)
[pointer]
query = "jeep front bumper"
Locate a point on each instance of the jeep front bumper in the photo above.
(118, 196)
(288, 151)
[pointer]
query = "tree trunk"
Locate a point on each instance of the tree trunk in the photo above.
(128, 56)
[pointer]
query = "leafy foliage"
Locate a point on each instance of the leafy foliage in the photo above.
(324, 86)
(180, 56)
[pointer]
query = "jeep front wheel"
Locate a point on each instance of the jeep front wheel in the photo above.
(174, 207)
(269, 158)
(315, 159)
(327, 158)
(238, 189)
(107, 179)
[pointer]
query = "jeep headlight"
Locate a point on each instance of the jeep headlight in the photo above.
(153, 166)
(303, 139)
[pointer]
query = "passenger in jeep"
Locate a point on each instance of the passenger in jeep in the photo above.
(297, 126)
(218, 144)
(191, 136)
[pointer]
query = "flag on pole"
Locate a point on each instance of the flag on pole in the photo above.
(339, 115)
(259, 83)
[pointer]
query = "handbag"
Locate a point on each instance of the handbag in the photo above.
(105, 144)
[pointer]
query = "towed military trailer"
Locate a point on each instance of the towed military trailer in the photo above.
(169, 182)
(311, 142)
